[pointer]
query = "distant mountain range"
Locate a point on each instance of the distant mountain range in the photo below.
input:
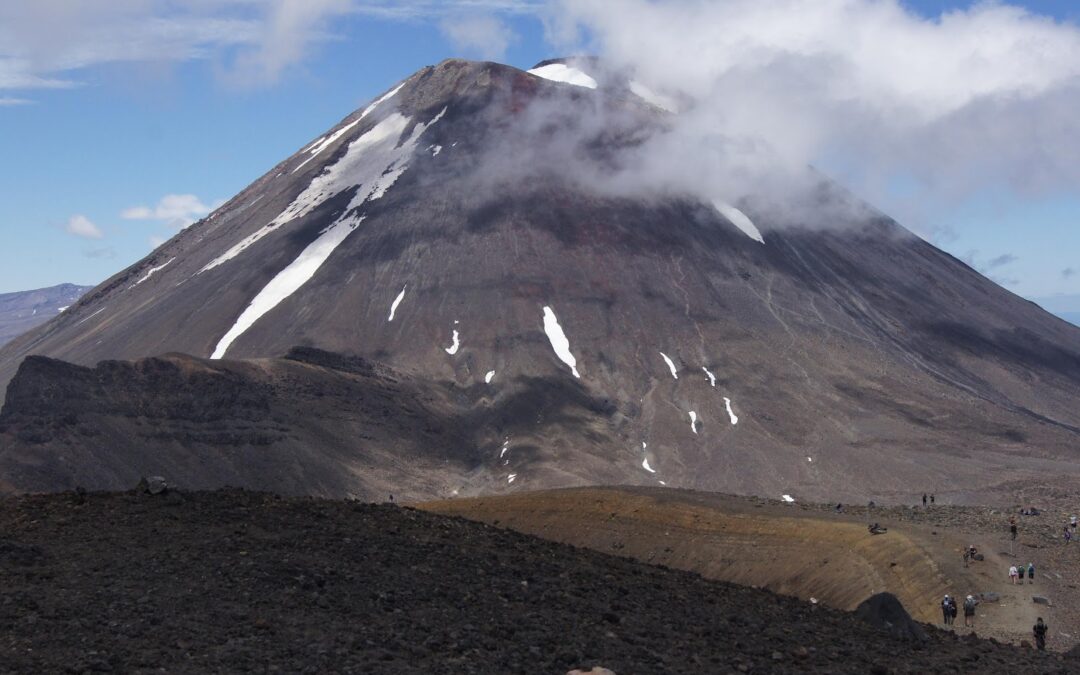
(23, 310)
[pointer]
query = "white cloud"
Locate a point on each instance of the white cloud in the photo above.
(47, 43)
(172, 210)
(10, 101)
(866, 89)
(81, 226)
(485, 36)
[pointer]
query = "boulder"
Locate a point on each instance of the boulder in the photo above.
(1040, 600)
(154, 485)
(989, 596)
(885, 611)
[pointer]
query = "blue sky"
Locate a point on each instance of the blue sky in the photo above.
(93, 144)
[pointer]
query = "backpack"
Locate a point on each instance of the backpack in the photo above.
(969, 604)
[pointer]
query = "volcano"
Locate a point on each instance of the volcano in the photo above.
(582, 336)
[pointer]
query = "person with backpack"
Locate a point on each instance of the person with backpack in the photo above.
(946, 611)
(924, 499)
(1039, 631)
(1013, 573)
(1020, 569)
(952, 611)
(1068, 535)
(931, 500)
(969, 611)
(1031, 572)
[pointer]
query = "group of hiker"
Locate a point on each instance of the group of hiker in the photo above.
(924, 499)
(1016, 573)
(949, 610)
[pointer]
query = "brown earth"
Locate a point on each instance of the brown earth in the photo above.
(808, 551)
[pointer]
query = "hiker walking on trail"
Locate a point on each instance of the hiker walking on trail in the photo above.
(1012, 530)
(1013, 574)
(1068, 535)
(969, 611)
(1031, 572)
(947, 613)
(1039, 631)
(1020, 569)
(924, 499)
(952, 611)
(931, 500)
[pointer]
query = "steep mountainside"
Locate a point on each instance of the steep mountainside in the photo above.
(21, 311)
(730, 352)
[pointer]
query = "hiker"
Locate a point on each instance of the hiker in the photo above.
(1039, 630)
(1072, 522)
(952, 611)
(1031, 572)
(924, 499)
(967, 556)
(931, 500)
(969, 611)
(1068, 535)
(1020, 570)
(947, 605)
(839, 508)
(1012, 531)
(1013, 573)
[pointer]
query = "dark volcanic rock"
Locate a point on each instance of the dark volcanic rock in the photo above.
(311, 423)
(857, 359)
(885, 611)
(236, 581)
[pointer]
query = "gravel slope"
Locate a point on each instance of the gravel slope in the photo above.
(233, 581)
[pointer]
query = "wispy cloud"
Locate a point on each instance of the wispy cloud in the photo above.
(81, 226)
(1001, 261)
(104, 253)
(485, 36)
(173, 210)
(50, 43)
(9, 101)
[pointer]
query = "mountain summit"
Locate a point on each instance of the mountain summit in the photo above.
(585, 336)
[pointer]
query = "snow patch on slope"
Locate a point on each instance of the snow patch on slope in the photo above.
(489, 377)
(151, 272)
(453, 348)
(397, 301)
(363, 167)
(371, 163)
(560, 72)
(558, 340)
(712, 378)
(789, 499)
(316, 148)
(693, 421)
(730, 412)
(288, 281)
(670, 365)
(739, 220)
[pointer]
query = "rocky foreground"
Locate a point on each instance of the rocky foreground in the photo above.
(235, 581)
